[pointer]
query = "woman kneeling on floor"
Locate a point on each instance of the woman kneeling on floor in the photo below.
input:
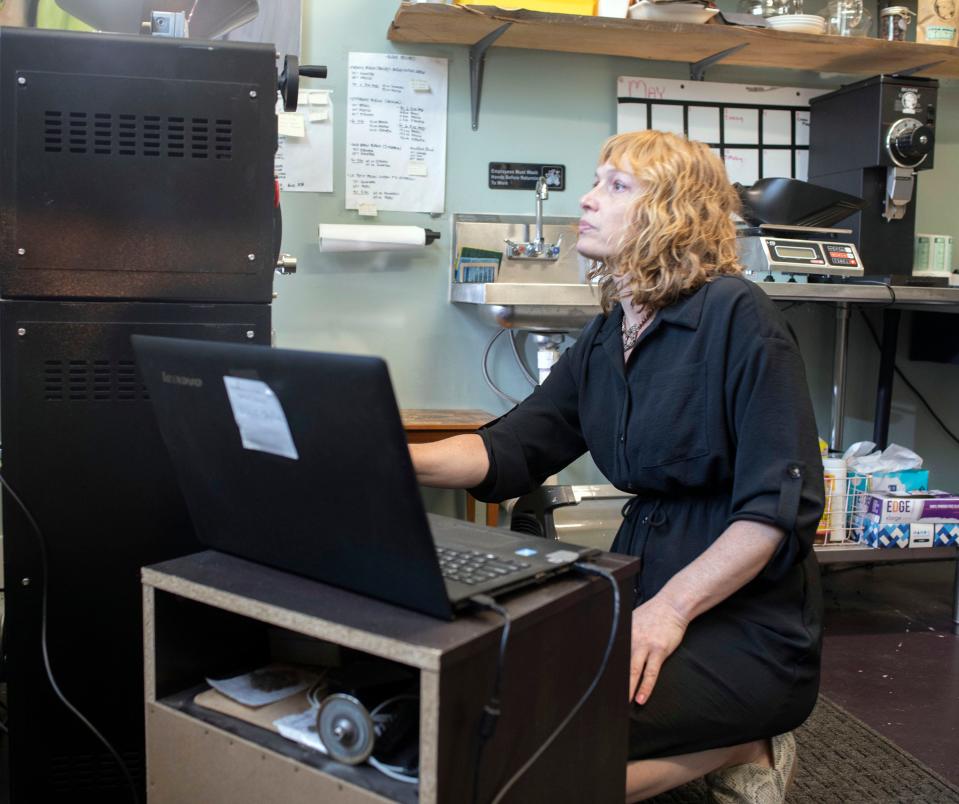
(689, 392)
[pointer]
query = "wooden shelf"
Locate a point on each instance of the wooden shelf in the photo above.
(437, 23)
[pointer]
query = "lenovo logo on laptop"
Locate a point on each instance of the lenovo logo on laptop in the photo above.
(179, 379)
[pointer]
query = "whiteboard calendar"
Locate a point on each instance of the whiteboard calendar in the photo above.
(758, 131)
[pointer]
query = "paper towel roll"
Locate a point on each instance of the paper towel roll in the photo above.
(359, 237)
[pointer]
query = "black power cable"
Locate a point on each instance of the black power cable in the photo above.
(908, 384)
(43, 640)
(491, 710)
(587, 569)
(889, 288)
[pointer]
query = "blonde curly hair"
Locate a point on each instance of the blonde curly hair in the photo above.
(681, 233)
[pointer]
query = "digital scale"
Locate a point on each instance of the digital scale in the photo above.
(807, 250)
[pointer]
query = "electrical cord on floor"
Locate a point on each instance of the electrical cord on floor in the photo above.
(45, 569)
(486, 375)
(491, 710)
(588, 569)
(908, 384)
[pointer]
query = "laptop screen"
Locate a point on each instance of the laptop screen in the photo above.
(297, 460)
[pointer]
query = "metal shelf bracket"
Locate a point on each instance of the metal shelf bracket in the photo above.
(477, 59)
(697, 70)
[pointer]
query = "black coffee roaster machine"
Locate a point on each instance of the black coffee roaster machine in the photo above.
(137, 195)
(855, 217)
(870, 139)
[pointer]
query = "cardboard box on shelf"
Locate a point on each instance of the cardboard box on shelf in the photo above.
(903, 480)
(910, 534)
(946, 536)
(890, 508)
(906, 480)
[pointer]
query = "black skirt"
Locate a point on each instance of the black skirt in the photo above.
(729, 682)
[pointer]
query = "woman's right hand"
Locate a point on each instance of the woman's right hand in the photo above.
(657, 631)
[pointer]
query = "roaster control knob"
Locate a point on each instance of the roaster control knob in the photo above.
(915, 144)
(910, 142)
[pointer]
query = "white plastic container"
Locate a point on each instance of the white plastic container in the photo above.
(933, 254)
(837, 495)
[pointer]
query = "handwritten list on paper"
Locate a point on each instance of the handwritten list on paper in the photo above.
(304, 155)
(396, 133)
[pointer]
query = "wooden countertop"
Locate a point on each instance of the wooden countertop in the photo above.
(466, 420)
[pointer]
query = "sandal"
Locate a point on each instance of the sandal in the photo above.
(754, 784)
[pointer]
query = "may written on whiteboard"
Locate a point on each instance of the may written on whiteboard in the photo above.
(759, 131)
(396, 133)
(304, 155)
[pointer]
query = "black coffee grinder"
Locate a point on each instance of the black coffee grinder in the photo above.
(869, 139)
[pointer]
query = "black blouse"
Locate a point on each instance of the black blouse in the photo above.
(709, 422)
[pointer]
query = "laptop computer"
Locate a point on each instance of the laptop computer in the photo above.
(298, 460)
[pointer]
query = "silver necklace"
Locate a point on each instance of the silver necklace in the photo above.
(631, 332)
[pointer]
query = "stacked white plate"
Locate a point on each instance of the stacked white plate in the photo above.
(797, 23)
(671, 12)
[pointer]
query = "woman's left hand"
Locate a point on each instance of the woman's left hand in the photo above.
(657, 631)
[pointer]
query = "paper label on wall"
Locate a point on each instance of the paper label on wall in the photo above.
(290, 124)
(304, 156)
(260, 417)
(758, 131)
(392, 125)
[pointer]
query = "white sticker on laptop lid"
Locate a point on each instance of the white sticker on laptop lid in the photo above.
(260, 418)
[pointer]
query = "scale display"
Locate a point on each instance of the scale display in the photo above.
(794, 252)
(810, 256)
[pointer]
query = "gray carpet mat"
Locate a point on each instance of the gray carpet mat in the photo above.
(841, 759)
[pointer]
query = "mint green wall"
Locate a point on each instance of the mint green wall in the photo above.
(537, 106)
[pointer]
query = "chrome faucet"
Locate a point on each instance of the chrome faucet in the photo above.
(538, 248)
(542, 193)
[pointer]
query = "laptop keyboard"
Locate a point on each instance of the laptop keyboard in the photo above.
(473, 566)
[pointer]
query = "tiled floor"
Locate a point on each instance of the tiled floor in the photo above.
(890, 658)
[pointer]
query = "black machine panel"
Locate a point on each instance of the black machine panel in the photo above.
(136, 168)
(136, 196)
(886, 247)
(82, 449)
(850, 128)
(862, 133)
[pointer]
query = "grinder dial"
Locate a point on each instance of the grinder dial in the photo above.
(909, 142)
